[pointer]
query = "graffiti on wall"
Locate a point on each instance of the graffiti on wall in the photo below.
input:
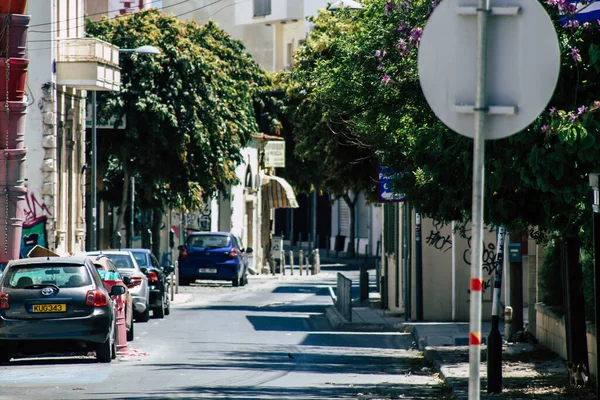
(444, 243)
(34, 226)
(488, 260)
(437, 240)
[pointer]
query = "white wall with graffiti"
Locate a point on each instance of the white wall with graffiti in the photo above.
(446, 268)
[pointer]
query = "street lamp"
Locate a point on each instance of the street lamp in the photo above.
(93, 197)
(350, 4)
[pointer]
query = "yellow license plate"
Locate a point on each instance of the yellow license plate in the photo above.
(47, 308)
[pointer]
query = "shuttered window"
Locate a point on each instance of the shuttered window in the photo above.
(262, 8)
(344, 219)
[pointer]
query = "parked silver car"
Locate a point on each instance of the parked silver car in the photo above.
(140, 292)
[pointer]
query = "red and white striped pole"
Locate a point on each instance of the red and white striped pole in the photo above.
(483, 8)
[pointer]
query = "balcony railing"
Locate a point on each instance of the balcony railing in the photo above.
(88, 63)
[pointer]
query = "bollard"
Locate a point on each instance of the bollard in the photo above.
(121, 339)
(282, 268)
(300, 260)
(364, 283)
(508, 316)
(291, 262)
(307, 264)
(172, 285)
(176, 277)
(317, 262)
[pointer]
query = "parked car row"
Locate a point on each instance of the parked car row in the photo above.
(57, 305)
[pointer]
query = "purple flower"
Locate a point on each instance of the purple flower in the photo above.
(595, 105)
(575, 54)
(545, 128)
(572, 24)
(377, 53)
(552, 111)
(572, 117)
(380, 67)
(389, 7)
(385, 80)
(404, 27)
(586, 25)
(401, 46)
(581, 110)
(415, 34)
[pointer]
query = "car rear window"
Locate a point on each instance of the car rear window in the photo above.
(63, 276)
(208, 241)
(140, 258)
(121, 261)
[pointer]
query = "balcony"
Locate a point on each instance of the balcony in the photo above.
(268, 11)
(88, 64)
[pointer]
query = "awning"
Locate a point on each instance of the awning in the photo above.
(278, 192)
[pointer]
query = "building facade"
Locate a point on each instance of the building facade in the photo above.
(63, 67)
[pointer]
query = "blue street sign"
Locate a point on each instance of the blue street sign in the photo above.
(386, 193)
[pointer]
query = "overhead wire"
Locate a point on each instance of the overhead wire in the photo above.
(176, 15)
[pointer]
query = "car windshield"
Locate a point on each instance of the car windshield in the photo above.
(121, 261)
(208, 241)
(141, 258)
(62, 276)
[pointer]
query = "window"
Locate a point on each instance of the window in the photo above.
(63, 276)
(262, 8)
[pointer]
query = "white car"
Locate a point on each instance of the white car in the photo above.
(128, 266)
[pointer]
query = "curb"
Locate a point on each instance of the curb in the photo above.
(181, 298)
(339, 323)
(457, 388)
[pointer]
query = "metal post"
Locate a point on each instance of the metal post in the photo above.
(132, 207)
(93, 206)
(300, 259)
(494, 345)
(291, 262)
(594, 183)
(418, 267)
(483, 8)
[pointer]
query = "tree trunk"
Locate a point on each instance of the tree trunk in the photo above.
(124, 198)
(574, 302)
(156, 225)
(351, 252)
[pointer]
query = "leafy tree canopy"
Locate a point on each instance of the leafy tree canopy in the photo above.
(188, 111)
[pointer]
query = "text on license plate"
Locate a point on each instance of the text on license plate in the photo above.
(208, 270)
(47, 308)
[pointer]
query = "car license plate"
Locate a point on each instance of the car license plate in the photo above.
(47, 308)
(208, 270)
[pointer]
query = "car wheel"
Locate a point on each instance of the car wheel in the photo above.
(114, 346)
(104, 351)
(235, 282)
(186, 281)
(4, 356)
(145, 316)
(159, 312)
(168, 306)
(130, 333)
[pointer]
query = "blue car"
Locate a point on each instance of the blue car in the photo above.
(213, 256)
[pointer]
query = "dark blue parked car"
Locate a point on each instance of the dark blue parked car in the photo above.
(213, 256)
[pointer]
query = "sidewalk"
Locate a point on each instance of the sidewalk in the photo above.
(530, 371)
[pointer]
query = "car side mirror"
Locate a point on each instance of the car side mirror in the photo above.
(249, 250)
(144, 271)
(126, 280)
(169, 269)
(117, 290)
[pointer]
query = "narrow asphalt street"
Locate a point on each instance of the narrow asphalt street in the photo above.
(267, 340)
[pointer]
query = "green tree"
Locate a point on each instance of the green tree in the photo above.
(188, 111)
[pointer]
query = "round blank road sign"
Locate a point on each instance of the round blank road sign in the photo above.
(523, 62)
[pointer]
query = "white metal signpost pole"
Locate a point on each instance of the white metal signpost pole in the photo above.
(483, 7)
